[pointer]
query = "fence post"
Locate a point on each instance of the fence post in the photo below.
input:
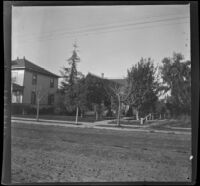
(141, 121)
(77, 115)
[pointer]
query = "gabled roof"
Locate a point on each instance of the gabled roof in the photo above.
(94, 75)
(25, 64)
(122, 82)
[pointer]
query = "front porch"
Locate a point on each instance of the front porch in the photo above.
(17, 93)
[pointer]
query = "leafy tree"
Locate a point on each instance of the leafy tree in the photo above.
(160, 106)
(142, 87)
(176, 75)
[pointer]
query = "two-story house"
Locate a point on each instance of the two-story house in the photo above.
(28, 80)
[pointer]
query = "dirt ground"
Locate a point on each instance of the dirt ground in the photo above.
(59, 154)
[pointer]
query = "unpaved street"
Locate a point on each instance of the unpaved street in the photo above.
(60, 154)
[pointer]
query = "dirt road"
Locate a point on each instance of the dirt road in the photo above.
(60, 154)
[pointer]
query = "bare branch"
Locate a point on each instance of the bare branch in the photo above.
(40, 93)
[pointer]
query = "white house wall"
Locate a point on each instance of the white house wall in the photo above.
(18, 77)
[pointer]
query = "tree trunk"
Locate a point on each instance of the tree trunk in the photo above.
(119, 109)
(142, 121)
(96, 112)
(81, 114)
(137, 115)
(77, 115)
(38, 110)
(97, 115)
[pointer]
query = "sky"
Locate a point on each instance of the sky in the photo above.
(110, 39)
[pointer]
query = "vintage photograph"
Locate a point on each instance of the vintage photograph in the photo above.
(101, 94)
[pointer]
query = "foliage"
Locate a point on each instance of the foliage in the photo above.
(142, 86)
(70, 74)
(71, 85)
(60, 105)
(176, 75)
(29, 109)
(96, 90)
(98, 94)
(160, 107)
(81, 95)
(17, 108)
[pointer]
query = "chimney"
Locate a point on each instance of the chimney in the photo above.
(102, 75)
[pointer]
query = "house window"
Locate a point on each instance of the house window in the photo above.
(50, 99)
(51, 82)
(14, 77)
(34, 79)
(33, 97)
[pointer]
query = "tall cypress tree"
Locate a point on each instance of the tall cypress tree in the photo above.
(71, 77)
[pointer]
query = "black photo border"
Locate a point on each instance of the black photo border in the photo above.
(7, 16)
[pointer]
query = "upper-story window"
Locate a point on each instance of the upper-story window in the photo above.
(34, 79)
(51, 82)
(14, 77)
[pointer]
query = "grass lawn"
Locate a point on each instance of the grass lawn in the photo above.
(167, 124)
(59, 154)
(159, 124)
(63, 118)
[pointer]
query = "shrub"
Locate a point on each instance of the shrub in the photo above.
(19, 108)
(30, 110)
(48, 110)
(184, 118)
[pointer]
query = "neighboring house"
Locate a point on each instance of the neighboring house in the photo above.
(106, 84)
(121, 82)
(27, 78)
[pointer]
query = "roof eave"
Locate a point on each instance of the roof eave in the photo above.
(33, 70)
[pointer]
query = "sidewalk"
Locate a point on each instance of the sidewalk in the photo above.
(45, 120)
(91, 125)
